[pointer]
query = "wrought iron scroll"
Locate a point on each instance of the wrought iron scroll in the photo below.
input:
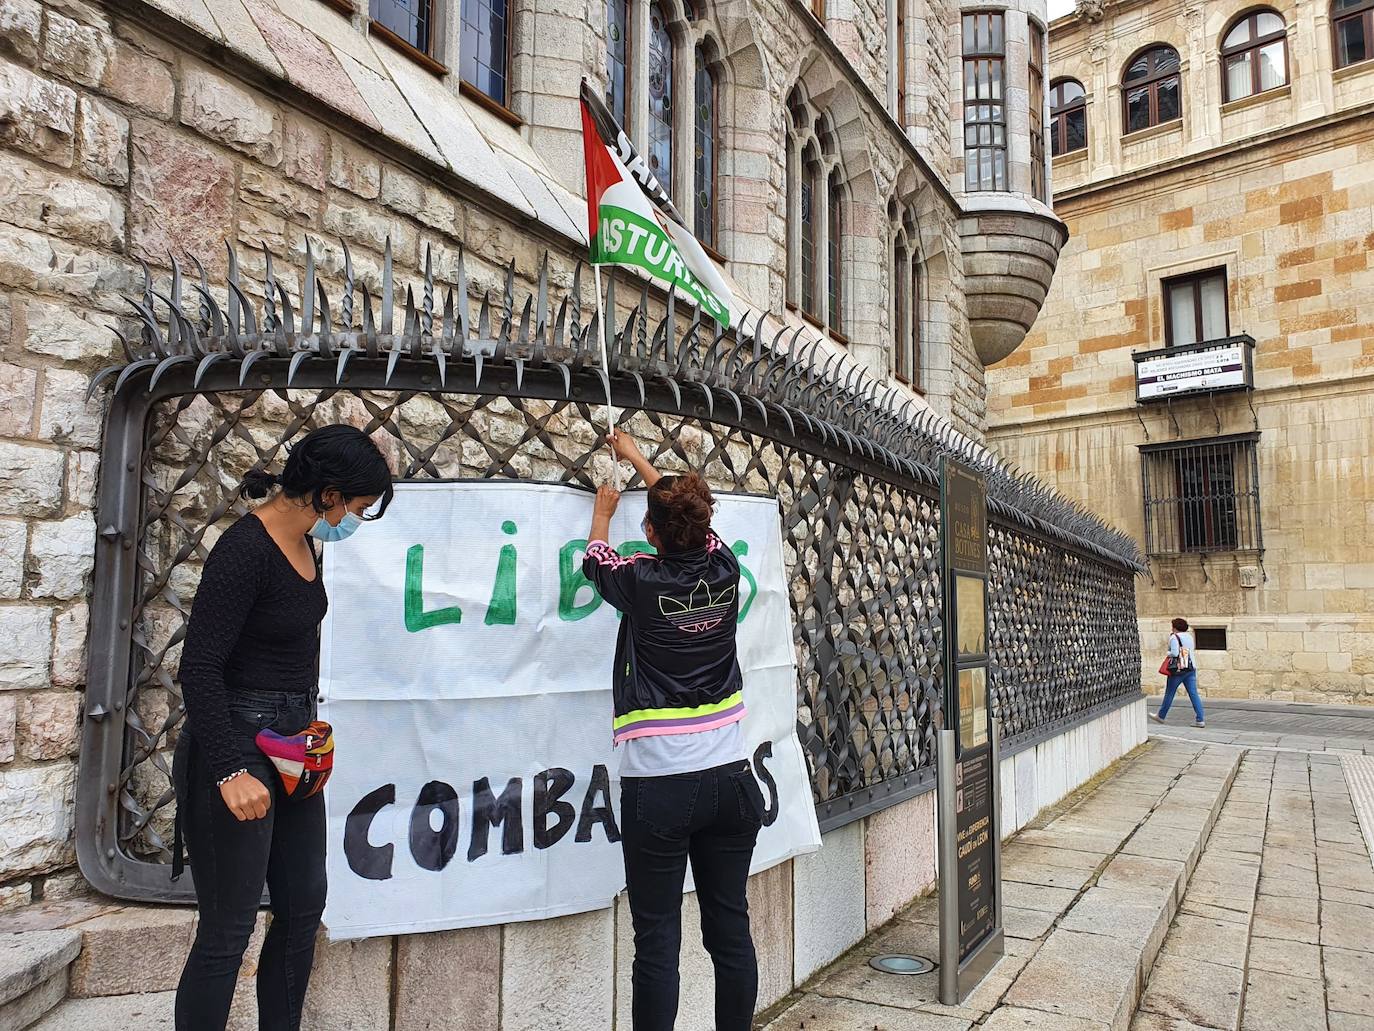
(217, 383)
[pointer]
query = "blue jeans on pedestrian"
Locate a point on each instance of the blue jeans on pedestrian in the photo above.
(1188, 678)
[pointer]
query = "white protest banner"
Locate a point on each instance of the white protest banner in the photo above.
(466, 669)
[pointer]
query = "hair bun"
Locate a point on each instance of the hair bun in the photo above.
(257, 483)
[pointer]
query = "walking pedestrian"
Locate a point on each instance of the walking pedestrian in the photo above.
(687, 792)
(1178, 667)
(249, 674)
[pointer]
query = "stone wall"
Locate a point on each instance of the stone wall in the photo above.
(1287, 213)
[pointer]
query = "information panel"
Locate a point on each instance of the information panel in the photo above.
(970, 913)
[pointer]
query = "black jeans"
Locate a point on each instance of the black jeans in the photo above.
(232, 859)
(712, 818)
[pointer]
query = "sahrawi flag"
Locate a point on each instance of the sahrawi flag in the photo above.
(631, 221)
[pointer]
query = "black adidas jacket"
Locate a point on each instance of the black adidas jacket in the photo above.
(676, 670)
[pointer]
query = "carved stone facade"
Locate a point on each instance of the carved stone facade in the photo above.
(1264, 198)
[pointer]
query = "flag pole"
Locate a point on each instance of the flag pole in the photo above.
(606, 367)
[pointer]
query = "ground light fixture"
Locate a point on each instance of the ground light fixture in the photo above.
(898, 963)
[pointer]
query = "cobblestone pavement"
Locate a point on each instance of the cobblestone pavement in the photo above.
(1200, 885)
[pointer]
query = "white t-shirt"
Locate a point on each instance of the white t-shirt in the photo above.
(663, 755)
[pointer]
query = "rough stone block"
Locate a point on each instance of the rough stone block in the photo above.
(160, 936)
(49, 724)
(37, 803)
(37, 115)
(36, 197)
(61, 555)
(179, 191)
(350, 988)
(69, 647)
(27, 960)
(57, 331)
(303, 157)
(222, 110)
(20, 24)
(828, 894)
(150, 1012)
(354, 169)
(25, 646)
(139, 80)
(899, 857)
(557, 975)
(18, 388)
(104, 138)
(75, 51)
(430, 998)
(9, 715)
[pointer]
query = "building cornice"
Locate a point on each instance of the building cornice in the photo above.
(1249, 143)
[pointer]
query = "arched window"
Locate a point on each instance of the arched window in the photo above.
(1151, 89)
(917, 376)
(661, 87)
(985, 110)
(1352, 27)
(808, 233)
(704, 203)
(901, 364)
(1254, 55)
(833, 242)
(618, 59)
(1068, 117)
(660, 148)
(485, 60)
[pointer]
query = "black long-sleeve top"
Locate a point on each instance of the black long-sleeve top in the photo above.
(255, 625)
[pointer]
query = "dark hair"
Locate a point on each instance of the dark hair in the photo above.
(680, 511)
(341, 458)
(1180, 624)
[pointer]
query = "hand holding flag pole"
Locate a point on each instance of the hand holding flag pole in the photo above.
(631, 220)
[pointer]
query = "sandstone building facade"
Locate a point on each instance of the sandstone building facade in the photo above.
(873, 172)
(1213, 161)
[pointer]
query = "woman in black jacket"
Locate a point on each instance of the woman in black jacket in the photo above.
(251, 662)
(687, 793)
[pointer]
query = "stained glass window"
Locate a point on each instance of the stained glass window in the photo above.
(412, 21)
(618, 58)
(484, 52)
(808, 237)
(660, 148)
(834, 245)
(705, 201)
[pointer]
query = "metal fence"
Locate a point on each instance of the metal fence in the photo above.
(215, 386)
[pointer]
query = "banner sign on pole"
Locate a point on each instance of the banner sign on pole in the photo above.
(968, 755)
(466, 669)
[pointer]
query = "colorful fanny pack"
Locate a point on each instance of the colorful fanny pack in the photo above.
(304, 759)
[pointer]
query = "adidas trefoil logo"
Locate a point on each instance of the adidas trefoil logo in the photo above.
(700, 611)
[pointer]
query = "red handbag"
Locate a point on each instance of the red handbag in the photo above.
(1164, 669)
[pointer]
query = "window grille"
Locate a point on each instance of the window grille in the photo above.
(1210, 638)
(1202, 496)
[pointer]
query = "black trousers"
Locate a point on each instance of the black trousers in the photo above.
(712, 819)
(231, 860)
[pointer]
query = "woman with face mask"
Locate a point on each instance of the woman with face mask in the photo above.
(250, 664)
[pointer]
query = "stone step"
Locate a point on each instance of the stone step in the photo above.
(149, 1012)
(1091, 970)
(1088, 895)
(33, 974)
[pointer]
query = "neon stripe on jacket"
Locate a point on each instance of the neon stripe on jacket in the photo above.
(647, 722)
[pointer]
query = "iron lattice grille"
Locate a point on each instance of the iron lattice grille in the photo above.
(1202, 496)
(205, 398)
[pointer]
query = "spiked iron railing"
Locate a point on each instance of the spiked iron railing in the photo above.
(852, 461)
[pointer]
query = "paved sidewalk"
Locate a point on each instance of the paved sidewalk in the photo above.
(1198, 886)
(1276, 930)
(1286, 725)
(1089, 891)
